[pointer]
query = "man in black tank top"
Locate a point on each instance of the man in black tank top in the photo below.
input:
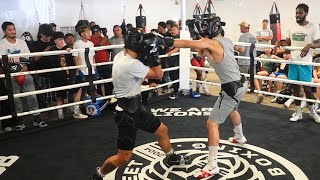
(219, 51)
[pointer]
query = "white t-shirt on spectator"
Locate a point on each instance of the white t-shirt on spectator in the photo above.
(81, 45)
(301, 36)
(19, 47)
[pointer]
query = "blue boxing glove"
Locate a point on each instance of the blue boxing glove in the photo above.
(81, 75)
(97, 74)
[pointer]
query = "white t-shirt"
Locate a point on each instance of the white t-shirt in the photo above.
(19, 47)
(301, 36)
(81, 45)
(128, 75)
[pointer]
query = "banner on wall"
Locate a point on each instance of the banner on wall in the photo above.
(275, 25)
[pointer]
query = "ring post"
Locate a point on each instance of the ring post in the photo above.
(251, 52)
(6, 68)
(92, 89)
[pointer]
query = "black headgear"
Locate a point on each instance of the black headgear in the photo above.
(211, 26)
(145, 45)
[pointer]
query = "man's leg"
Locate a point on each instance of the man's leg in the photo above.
(238, 132)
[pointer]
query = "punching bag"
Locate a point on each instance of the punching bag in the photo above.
(197, 12)
(141, 21)
(275, 25)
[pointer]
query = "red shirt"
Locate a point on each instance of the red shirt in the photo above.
(102, 55)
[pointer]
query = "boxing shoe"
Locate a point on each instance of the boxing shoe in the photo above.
(96, 175)
(206, 172)
(176, 159)
(238, 139)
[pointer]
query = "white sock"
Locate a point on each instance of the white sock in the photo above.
(76, 109)
(238, 129)
(99, 172)
(213, 155)
(170, 152)
(198, 85)
(298, 109)
(60, 111)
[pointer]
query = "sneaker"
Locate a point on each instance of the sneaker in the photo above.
(259, 98)
(207, 171)
(174, 96)
(79, 116)
(113, 100)
(237, 140)
(296, 117)
(313, 113)
(20, 127)
(274, 100)
(176, 159)
(40, 124)
(96, 176)
(8, 129)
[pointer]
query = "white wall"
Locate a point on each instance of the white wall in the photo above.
(107, 13)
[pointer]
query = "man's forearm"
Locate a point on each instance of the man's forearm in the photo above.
(315, 44)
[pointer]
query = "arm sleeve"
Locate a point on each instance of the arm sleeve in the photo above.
(140, 70)
(270, 32)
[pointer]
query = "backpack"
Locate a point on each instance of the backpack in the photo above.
(281, 100)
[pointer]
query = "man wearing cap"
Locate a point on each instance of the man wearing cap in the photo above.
(264, 36)
(101, 56)
(246, 37)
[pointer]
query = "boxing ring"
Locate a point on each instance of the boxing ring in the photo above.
(184, 81)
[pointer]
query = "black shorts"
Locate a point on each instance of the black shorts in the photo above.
(129, 123)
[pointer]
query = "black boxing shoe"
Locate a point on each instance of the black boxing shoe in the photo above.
(96, 175)
(176, 159)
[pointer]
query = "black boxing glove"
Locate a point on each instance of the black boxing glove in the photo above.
(168, 41)
(155, 62)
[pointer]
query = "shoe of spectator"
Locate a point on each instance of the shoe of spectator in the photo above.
(259, 98)
(313, 113)
(274, 100)
(79, 116)
(296, 117)
(174, 96)
(8, 129)
(20, 127)
(40, 124)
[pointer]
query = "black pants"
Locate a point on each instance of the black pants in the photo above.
(105, 72)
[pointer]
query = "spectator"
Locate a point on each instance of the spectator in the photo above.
(162, 28)
(100, 57)
(282, 73)
(264, 36)
(69, 39)
(246, 37)
(23, 83)
(92, 23)
(43, 81)
(54, 27)
(307, 35)
(116, 40)
(79, 59)
(173, 61)
(63, 78)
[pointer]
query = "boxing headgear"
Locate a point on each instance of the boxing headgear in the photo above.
(212, 26)
(145, 45)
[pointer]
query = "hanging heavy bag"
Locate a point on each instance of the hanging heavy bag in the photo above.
(275, 25)
(141, 21)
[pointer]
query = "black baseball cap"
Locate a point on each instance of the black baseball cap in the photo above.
(95, 28)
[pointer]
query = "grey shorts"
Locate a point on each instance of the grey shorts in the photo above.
(225, 104)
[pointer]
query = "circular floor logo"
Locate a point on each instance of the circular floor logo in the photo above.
(235, 162)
